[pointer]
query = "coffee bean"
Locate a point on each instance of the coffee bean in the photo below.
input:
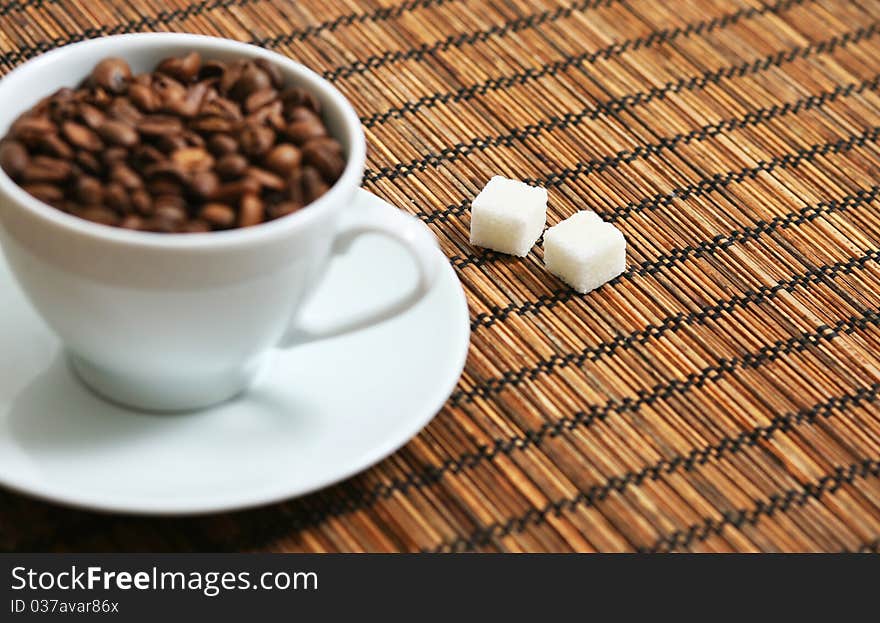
(258, 99)
(118, 133)
(252, 210)
(256, 140)
(124, 110)
(283, 159)
(88, 161)
(142, 202)
(211, 124)
(271, 70)
(304, 130)
(112, 74)
(122, 173)
(313, 184)
(222, 144)
(116, 197)
(113, 155)
(89, 190)
(265, 179)
(326, 157)
(97, 214)
(196, 227)
(13, 158)
(193, 159)
(144, 97)
(232, 191)
(204, 183)
(251, 80)
(46, 169)
(47, 193)
(219, 215)
(296, 97)
(54, 145)
(159, 125)
(191, 147)
(283, 209)
(133, 221)
(184, 68)
(81, 136)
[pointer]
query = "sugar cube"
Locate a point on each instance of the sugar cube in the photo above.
(584, 251)
(508, 216)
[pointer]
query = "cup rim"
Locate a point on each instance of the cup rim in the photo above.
(117, 46)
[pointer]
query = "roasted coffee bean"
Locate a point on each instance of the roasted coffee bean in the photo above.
(196, 226)
(256, 140)
(258, 99)
(251, 80)
(46, 169)
(122, 173)
(91, 116)
(222, 144)
(212, 124)
(89, 190)
(116, 197)
(265, 178)
(313, 184)
(113, 155)
(97, 214)
(231, 166)
(271, 70)
(295, 97)
(326, 157)
(251, 210)
(192, 159)
(142, 202)
(53, 144)
(133, 221)
(232, 191)
(13, 158)
(81, 136)
(118, 133)
(159, 125)
(284, 208)
(112, 74)
(88, 161)
(204, 184)
(144, 97)
(218, 215)
(47, 193)
(190, 147)
(184, 68)
(301, 131)
(124, 110)
(283, 159)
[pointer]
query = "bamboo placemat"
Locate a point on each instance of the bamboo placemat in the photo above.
(721, 395)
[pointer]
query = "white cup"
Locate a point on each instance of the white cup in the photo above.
(172, 322)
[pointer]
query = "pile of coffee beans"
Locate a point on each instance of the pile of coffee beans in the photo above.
(194, 146)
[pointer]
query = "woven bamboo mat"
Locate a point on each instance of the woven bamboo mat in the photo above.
(721, 395)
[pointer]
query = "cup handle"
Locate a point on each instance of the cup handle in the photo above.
(409, 232)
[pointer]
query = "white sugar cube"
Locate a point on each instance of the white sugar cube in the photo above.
(584, 251)
(508, 216)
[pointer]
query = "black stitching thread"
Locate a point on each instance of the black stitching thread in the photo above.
(166, 17)
(655, 37)
(871, 547)
(703, 187)
(669, 143)
(459, 40)
(780, 502)
(513, 378)
(680, 538)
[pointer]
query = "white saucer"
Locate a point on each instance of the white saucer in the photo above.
(320, 413)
